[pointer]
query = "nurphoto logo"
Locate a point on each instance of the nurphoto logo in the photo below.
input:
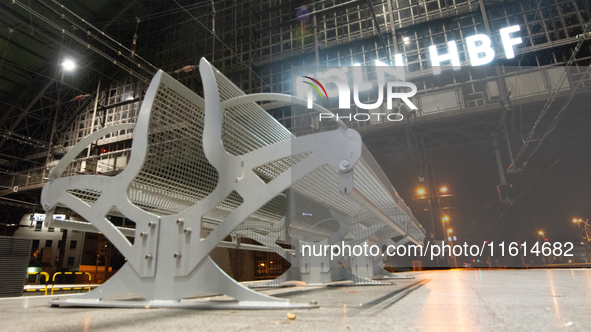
(319, 84)
(393, 89)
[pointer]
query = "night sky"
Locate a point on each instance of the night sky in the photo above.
(554, 188)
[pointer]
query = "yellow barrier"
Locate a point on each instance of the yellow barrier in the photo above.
(46, 281)
(69, 288)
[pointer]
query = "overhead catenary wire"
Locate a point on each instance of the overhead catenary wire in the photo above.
(375, 20)
(22, 139)
(222, 10)
(80, 41)
(521, 105)
(555, 120)
(197, 6)
(518, 197)
(527, 26)
(549, 102)
(539, 4)
(164, 13)
(224, 44)
(521, 58)
(516, 77)
(100, 32)
(553, 95)
(133, 47)
(112, 48)
(43, 75)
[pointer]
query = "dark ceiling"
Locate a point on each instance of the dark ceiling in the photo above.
(36, 36)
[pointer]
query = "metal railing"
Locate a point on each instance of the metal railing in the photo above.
(53, 287)
(110, 163)
(46, 282)
(30, 177)
(57, 287)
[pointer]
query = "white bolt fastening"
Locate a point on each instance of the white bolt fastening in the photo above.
(344, 164)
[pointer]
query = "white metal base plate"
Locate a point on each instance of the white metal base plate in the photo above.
(390, 277)
(184, 304)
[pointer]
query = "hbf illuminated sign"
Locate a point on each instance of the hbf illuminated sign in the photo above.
(479, 49)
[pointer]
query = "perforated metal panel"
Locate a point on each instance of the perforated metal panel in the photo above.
(88, 196)
(176, 173)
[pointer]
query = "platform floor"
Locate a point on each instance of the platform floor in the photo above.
(457, 300)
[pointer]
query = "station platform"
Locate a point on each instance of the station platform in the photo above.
(454, 300)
